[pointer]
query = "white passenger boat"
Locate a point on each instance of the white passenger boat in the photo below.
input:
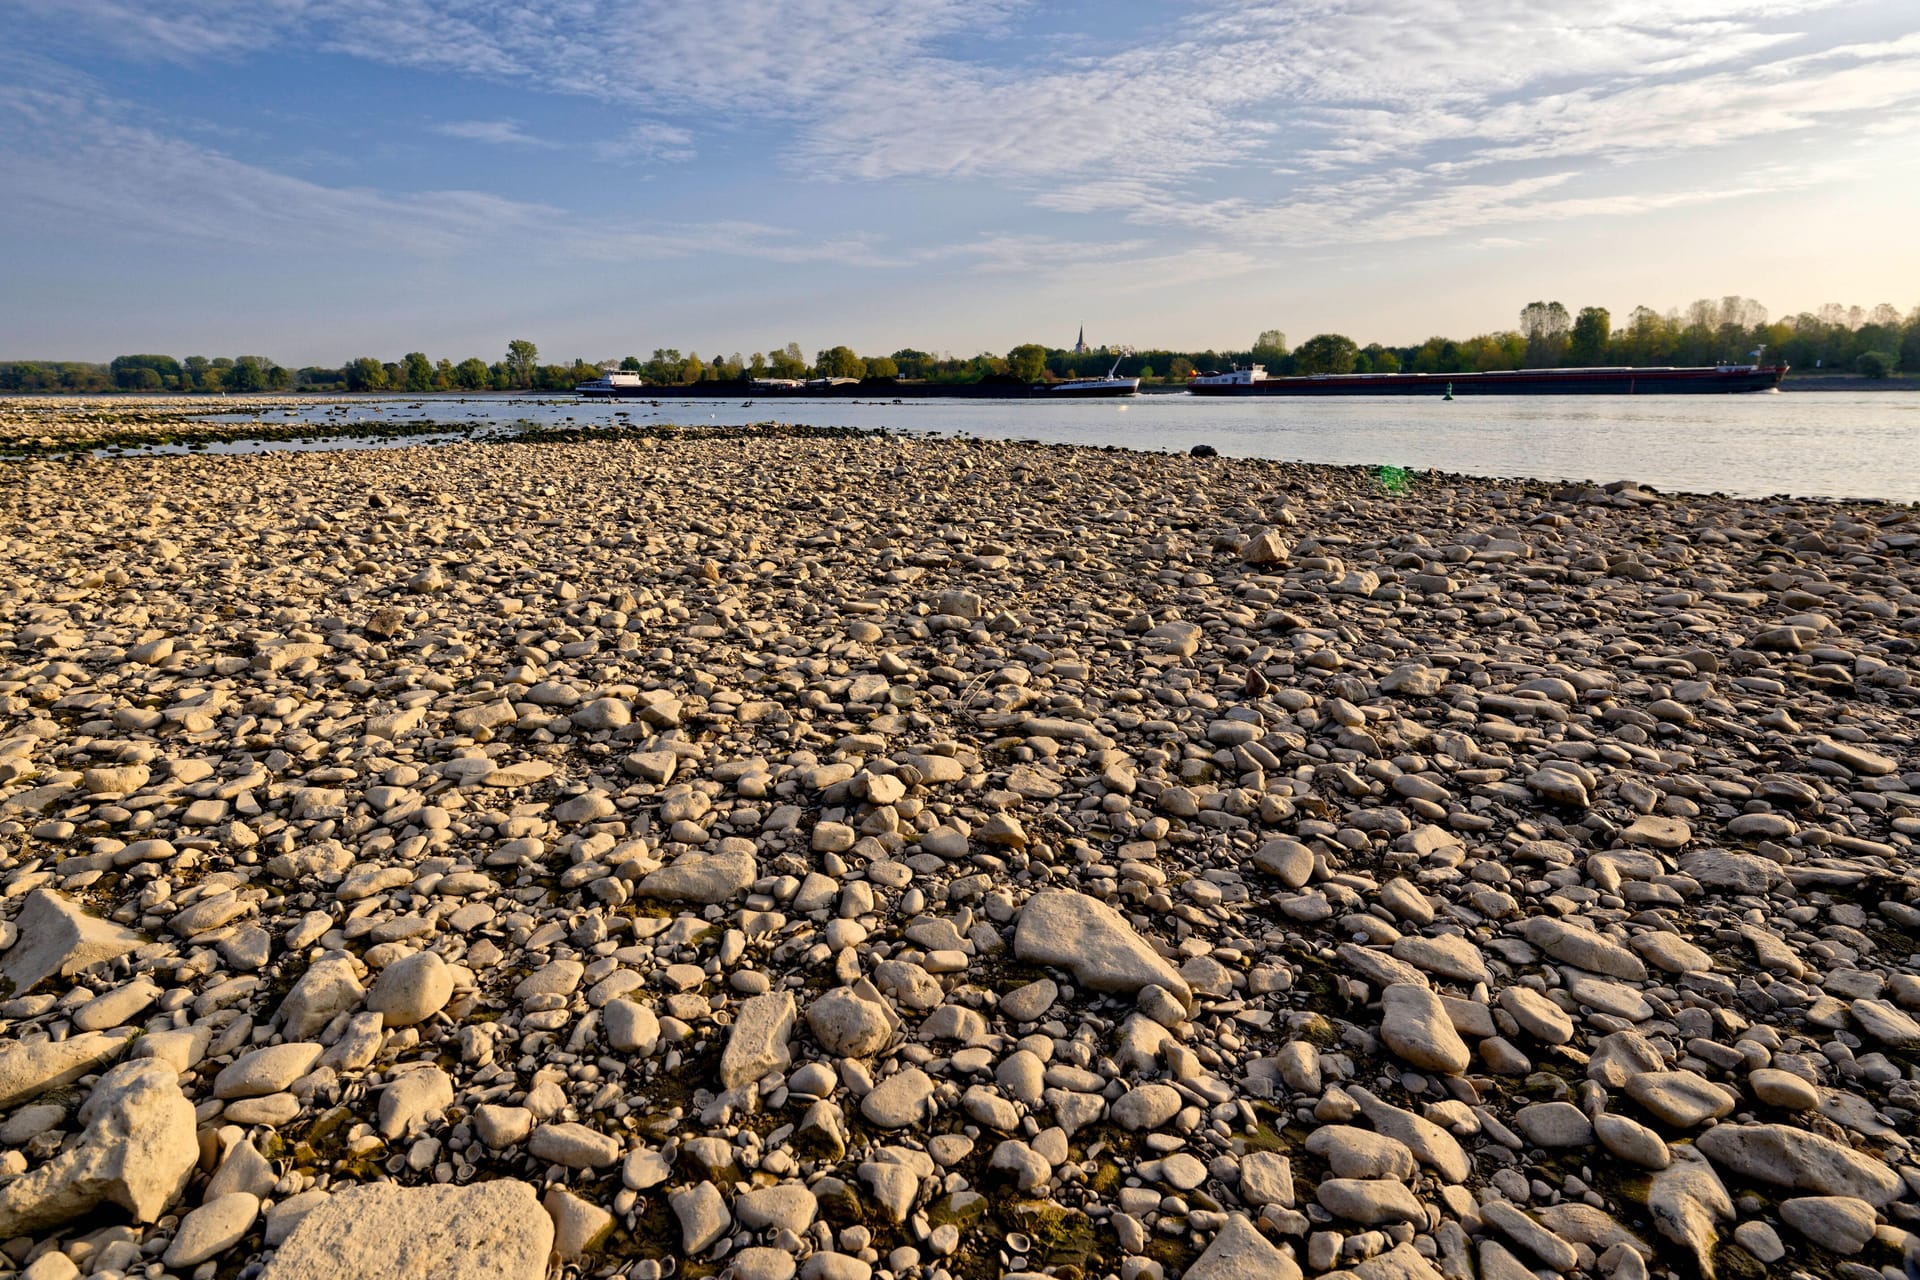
(615, 383)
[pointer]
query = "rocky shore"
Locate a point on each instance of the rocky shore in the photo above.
(877, 859)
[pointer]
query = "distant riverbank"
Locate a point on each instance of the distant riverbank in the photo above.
(733, 390)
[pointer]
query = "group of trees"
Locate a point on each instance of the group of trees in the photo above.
(1875, 342)
(519, 370)
(147, 373)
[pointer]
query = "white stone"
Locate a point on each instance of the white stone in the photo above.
(212, 1229)
(268, 1070)
(493, 1230)
(57, 938)
(1414, 1024)
(1240, 1252)
(411, 989)
(137, 1151)
(573, 1146)
(761, 1040)
(1072, 931)
(329, 987)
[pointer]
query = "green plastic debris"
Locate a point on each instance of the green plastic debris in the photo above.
(1394, 479)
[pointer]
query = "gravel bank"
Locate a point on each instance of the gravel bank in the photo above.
(883, 858)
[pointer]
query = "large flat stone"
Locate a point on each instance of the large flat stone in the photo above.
(382, 1231)
(1240, 1252)
(1084, 935)
(29, 1070)
(1783, 1156)
(701, 877)
(58, 938)
(137, 1152)
(760, 1041)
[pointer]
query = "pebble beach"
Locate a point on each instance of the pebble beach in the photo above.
(766, 853)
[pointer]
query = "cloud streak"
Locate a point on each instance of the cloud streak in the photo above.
(499, 133)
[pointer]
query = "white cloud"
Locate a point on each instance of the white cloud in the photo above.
(500, 133)
(647, 141)
(73, 153)
(740, 239)
(74, 156)
(1290, 122)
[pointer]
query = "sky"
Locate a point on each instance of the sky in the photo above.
(314, 180)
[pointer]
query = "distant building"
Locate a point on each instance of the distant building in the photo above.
(1080, 347)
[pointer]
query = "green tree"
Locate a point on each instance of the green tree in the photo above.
(1591, 330)
(1874, 364)
(1436, 355)
(882, 367)
(249, 373)
(1326, 353)
(1181, 369)
(1544, 320)
(366, 374)
(523, 361)
(757, 367)
(787, 363)
(668, 367)
(416, 372)
(471, 374)
(630, 365)
(1027, 362)
(695, 369)
(840, 362)
(1545, 326)
(1378, 359)
(1270, 347)
(126, 371)
(442, 374)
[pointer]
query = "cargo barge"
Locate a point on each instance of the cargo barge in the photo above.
(1724, 379)
(630, 386)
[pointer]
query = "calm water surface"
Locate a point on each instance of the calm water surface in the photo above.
(1820, 444)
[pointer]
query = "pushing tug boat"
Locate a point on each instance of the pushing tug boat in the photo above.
(1111, 385)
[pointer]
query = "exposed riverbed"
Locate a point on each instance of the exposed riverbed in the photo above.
(895, 858)
(1843, 444)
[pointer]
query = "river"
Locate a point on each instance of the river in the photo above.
(1807, 444)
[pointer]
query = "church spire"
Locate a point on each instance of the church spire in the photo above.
(1080, 347)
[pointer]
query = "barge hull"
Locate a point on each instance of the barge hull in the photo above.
(851, 391)
(1524, 382)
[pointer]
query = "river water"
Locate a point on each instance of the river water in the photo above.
(1808, 444)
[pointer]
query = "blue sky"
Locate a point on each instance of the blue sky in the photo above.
(318, 179)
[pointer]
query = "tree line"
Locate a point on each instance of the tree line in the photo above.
(1875, 342)
(519, 370)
